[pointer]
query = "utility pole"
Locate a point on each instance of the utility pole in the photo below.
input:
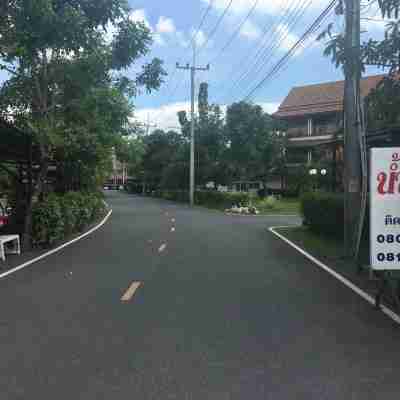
(193, 70)
(146, 125)
(352, 159)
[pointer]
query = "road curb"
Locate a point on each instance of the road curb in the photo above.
(57, 249)
(387, 311)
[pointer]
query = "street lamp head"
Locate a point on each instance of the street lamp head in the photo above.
(313, 171)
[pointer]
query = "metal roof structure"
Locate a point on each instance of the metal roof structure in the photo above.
(320, 98)
(15, 144)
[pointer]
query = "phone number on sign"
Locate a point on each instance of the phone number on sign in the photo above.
(390, 257)
(388, 238)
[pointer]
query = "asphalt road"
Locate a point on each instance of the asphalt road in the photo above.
(225, 311)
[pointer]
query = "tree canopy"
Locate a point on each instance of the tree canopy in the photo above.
(66, 61)
(384, 101)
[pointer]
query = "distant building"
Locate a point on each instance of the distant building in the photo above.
(119, 174)
(314, 117)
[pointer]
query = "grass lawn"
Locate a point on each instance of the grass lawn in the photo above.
(283, 206)
(318, 245)
(330, 251)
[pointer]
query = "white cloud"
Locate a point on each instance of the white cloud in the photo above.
(288, 38)
(165, 25)
(270, 7)
(166, 116)
(139, 15)
(241, 6)
(250, 30)
(201, 38)
(270, 107)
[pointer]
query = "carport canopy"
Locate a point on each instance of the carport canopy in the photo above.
(15, 144)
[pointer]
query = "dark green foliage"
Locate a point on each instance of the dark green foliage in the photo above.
(48, 221)
(323, 212)
(210, 199)
(60, 215)
(221, 200)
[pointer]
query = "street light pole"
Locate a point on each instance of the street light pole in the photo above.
(193, 70)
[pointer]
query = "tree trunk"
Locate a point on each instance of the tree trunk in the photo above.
(35, 191)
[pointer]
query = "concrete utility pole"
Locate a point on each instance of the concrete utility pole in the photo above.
(193, 70)
(146, 125)
(352, 159)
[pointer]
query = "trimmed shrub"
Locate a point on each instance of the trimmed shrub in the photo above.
(221, 199)
(323, 212)
(208, 198)
(60, 215)
(47, 221)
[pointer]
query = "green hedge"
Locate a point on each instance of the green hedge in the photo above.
(323, 212)
(212, 199)
(58, 216)
(221, 199)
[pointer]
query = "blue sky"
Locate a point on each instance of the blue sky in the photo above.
(271, 26)
(173, 22)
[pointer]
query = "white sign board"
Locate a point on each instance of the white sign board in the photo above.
(385, 208)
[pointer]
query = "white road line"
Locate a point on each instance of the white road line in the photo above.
(57, 249)
(130, 291)
(339, 277)
(263, 215)
(162, 248)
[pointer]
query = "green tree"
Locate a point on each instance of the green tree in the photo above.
(252, 144)
(65, 84)
(161, 150)
(383, 102)
(209, 138)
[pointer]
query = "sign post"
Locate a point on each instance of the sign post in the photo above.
(385, 208)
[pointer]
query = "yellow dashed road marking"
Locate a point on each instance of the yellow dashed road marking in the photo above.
(131, 291)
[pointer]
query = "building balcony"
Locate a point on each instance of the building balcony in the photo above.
(317, 130)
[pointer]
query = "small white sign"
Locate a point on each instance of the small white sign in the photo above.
(385, 208)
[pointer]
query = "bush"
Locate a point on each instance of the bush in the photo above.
(221, 199)
(47, 221)
(323, 212)
(60, 215)
(268, 203)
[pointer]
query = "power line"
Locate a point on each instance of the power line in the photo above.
(212, 33)
(193, 41)
(179, 83)
(266, 30)
(236, 31)
(270, 34)
(267, 55)
(312, 29)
